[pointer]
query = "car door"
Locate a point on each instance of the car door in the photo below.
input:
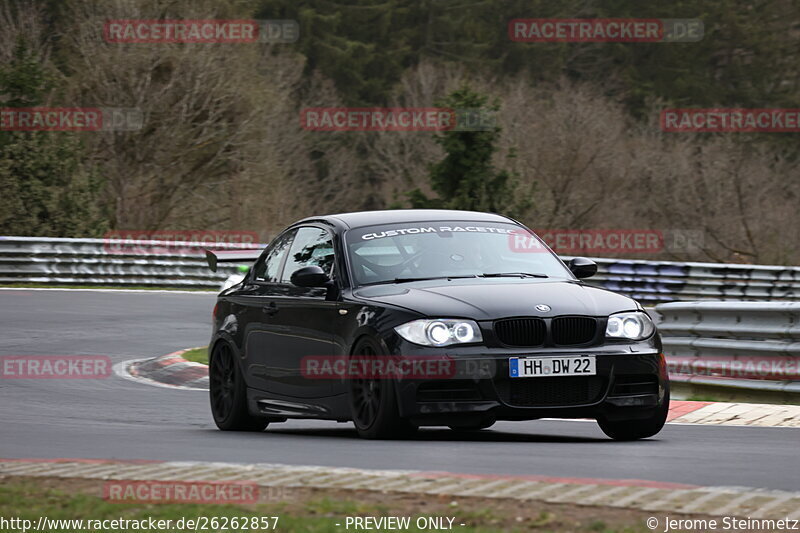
(303, 318)
(259, 299)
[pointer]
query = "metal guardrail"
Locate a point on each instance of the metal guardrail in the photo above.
(744, 345)
(109, 262)
(172, 264)
(662, 281)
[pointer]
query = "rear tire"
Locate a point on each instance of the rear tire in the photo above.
(635, 429)
(373, 401)
(228, 393)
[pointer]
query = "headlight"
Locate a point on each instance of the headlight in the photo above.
(634, 326)
(440, 331)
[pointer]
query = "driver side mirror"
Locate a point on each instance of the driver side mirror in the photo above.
(310, 276)
(582, 267)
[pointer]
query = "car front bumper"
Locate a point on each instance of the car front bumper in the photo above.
(631, 382)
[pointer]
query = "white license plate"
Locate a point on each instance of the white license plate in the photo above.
(535, 367)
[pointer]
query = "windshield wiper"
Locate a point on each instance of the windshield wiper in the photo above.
(514, 275)
(408, 280)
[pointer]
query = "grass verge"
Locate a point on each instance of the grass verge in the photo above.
(198, 355)
(708, 393)
(314, 510)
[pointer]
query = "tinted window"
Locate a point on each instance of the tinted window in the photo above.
(440, 249)
(267, 268)
(311, 246)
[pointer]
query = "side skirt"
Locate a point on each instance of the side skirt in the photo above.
(261, 403)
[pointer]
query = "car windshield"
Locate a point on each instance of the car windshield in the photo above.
(436, 250)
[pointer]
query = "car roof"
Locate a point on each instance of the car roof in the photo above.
(399, 216)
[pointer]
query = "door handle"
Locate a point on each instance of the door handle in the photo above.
(270, 309)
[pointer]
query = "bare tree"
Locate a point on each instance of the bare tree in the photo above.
(207, 154)
(23, 19)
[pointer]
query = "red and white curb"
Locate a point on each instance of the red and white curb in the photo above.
(173, 371)
(734, 414)
(626, 493)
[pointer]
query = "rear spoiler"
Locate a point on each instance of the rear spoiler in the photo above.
(230, 256)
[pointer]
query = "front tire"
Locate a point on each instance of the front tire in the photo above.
(635, 429)
(228, 393)
(373, 402)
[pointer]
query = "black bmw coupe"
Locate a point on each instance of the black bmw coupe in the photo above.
(399, 319)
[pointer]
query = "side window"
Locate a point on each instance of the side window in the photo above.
(267, 267)
(311, 246)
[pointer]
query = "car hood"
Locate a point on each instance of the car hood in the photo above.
(493, 300)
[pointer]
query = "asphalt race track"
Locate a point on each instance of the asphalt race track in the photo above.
(121, 419)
